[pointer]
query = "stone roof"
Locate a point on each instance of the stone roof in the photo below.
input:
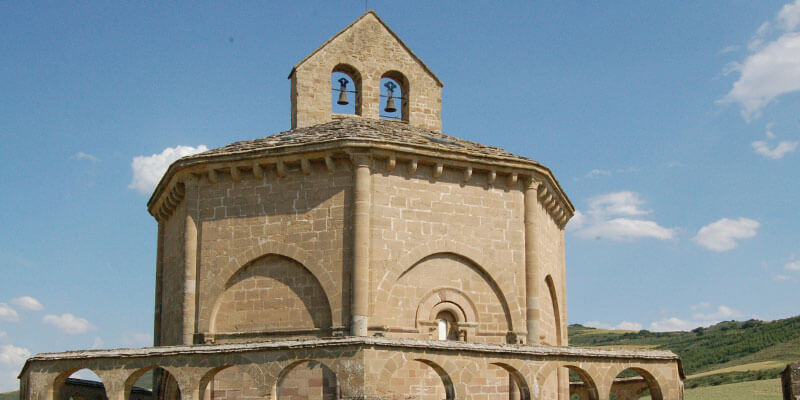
(362, 130)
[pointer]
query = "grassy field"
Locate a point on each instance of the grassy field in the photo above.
(754, 390)
(756, 366)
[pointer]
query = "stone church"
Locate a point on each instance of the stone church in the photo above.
(359, 255)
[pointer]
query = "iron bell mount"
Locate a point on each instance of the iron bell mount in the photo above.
(342, 92)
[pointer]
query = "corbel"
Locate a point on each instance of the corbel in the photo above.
(512, 179)
(391, 163)
(305, 165)
(467, 174)
(437, 172)
(330, 164)
(492, 177)
(212, 175)
(542, 192)
(258, 172)
(412, 167)
(281, 169)
(235, 174)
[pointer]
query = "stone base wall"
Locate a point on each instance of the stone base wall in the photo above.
(358, 368)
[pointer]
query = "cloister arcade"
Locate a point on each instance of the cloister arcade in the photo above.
(353, 368)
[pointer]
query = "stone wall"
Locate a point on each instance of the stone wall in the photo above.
(790, 381)
(301, 221)
(430, 235)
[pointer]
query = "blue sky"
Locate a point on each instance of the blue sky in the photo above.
(673, 127)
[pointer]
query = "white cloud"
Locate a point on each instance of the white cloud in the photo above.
(789, 16)
(618, 216)
(771, 69)
(629, 326)
(624, 325)
(672, 324)
(28, 303)
(147, 170)
(7, 313)
(792, 266)
(84, 156)
(776, 153)
(758, 38)
(780, 150)
(729, 49)
(781, 278)
(722, 313)
(68, 323)
(597, 172)
(137, 339)
(11, 360)
(722, 235)
(98, 343)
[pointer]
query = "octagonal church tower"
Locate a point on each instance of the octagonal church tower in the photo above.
(358, 225)
(361, 255)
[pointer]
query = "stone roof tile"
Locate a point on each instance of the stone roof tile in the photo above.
(360, 129)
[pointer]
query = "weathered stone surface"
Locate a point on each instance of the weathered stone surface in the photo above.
(790, 381)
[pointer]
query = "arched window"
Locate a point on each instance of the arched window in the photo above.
(394, 96)
(447, 326)
(345, 90)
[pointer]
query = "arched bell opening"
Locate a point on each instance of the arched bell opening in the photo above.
(394, 96)
(345, 90)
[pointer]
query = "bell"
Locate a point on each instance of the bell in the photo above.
(342, 92)
(390, 108)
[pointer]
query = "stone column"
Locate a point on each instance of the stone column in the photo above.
(532, 264)
(361, 243)
(159, 277)
(190, 260)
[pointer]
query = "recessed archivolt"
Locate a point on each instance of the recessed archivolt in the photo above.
(446, 299)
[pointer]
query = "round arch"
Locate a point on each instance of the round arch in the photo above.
(404, 86)
(214, 287)
(586, 376)
(58, 389)
(650, 378)
(291, 375)
(170, 382)
(503, 280)
(551, 288)
(321, 314)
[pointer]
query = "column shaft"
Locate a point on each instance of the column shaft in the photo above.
(361, 243)
(532, 264)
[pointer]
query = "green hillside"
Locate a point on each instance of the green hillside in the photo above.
(10, 395)
(727, 352)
